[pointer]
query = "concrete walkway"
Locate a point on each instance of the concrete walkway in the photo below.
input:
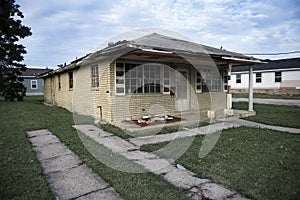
(287, 102)
(213, 128)
(66, 175)
(194, 186)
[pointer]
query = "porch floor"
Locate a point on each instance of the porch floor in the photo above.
(189, 120)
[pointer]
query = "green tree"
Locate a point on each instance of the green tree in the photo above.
(11, 51)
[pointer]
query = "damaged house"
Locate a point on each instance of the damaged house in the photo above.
(154, 74)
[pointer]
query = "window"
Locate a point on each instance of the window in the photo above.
(137, 78)
(238, 78)
(199, 82)
(258, 77)
(226, 78)
(59, 82)
(120, 78)
(94, 76)
(33, 84)
(167, 80)
(70, 80)
(208, 80)
(277, 77)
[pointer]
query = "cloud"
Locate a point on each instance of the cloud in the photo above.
(67, 29)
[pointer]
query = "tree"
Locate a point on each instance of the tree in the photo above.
(11, 52)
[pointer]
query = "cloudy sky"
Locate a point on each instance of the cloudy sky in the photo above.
(66, 29)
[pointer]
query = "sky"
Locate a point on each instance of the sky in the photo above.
(64, 30)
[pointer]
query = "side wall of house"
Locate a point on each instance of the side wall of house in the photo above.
(290, 83)
(47, 90)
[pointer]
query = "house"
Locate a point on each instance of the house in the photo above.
(275, 77)
(34, 84)
(154, 74)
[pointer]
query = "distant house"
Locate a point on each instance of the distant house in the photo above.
(277, 76)
(34, 84)
(154, 74)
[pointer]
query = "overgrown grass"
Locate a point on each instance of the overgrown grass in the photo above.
(259, 163)
(267, 96)
(21, 175)
(276, 115)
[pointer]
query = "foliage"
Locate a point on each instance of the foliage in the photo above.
(11, 31)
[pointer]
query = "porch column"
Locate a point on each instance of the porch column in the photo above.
(250, 89)
(229, 95)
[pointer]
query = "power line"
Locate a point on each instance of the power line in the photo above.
(271, 54)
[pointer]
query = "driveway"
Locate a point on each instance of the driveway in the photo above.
(287, 102)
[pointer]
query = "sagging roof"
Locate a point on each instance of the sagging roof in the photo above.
(276, 65)
(34, 72)
(160, 44)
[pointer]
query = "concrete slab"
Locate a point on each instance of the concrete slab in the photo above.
(92, 131)
(74, 182)
(116, 144)
(107, 194)
(183, 179)
(215, 191)
(138, 155)
(51, 150)
(38, 133)
(156, 166)
(60, 163)
(43, 140)
(236, 197)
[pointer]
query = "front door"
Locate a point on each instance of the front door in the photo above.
(182, 91)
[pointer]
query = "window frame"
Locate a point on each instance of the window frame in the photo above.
(59, 82)
(258, 79)
(31, 84)
(278, 77)
(71, 80)
(238, 78)
(94, 76)
(200, 84)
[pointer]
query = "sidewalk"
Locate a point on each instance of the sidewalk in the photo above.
(194, 186)
(66, 174)
(287, 102)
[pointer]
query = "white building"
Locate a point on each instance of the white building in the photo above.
(277, 76)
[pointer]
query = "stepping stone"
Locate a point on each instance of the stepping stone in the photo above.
(138, 155)
(183, 179)
(42, 140)
(107, 194)
(74, 182)
(116, 144)
(215, 191)
(92, 131)
(156, 166)
(38, 133)
(60, 163)
(51, 150)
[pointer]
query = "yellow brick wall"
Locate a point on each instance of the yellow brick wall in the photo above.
(85, 100)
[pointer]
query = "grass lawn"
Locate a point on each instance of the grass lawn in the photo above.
(267, 96)
(21, 174)
(288, 116)
(258, 163)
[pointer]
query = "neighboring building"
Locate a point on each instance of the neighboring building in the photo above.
(152, 74)
(275, 77)
(34, 84)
